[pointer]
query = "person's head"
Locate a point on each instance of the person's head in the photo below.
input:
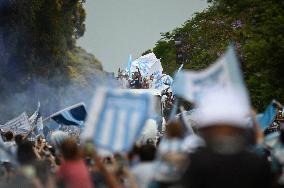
(57, 137)
(223, 117)
(147, 152)
(39, 139)
(9, 136)
(169, 93)
(174, 130)
(25, 153)
(150, 141)
(69, 149)
(19, 139)
(221, 130)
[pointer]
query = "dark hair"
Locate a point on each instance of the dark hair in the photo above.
(25, 153)
(174, 130)
(9, 136)
(39, 139)
(69, 149)
(134, 151)
(147, 152)
(19, 139)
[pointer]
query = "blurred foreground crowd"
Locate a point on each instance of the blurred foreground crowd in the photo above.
(224, 150)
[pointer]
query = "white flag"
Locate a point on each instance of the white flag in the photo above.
(156, 70)
(224, 74)
(144, 63)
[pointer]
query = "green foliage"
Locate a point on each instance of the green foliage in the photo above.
(254, 27)
(37, 34)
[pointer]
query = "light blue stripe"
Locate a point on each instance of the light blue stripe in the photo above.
(127, 129)
(99, 126)
(113, 130)
(67, 115)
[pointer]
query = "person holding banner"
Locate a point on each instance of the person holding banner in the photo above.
(225, 161)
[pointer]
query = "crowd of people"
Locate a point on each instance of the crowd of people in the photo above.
(135, 81)
(225, 150)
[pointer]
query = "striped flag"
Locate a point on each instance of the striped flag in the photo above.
(224, 74)
(18, 125)
(72, 115)
(117, 117)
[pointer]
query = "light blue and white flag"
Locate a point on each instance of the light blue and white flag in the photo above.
(72, 115)
(167, 80)
(129, 64)
(156, 70)
(117, 117)
(18, 125)
(162, 83)
(144, 63)
(224, 74)
(268, 116)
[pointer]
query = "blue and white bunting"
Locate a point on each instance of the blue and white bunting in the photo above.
(117, 117)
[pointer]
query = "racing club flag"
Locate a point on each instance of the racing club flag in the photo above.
(116, 118)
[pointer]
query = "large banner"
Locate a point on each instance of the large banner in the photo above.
(20, 124)
(224, 74)
(163, 82)
(148, 64)
(116, 118)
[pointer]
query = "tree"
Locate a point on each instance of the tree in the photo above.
(254, 27)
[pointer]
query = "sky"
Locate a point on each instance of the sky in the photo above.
(117, 28)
